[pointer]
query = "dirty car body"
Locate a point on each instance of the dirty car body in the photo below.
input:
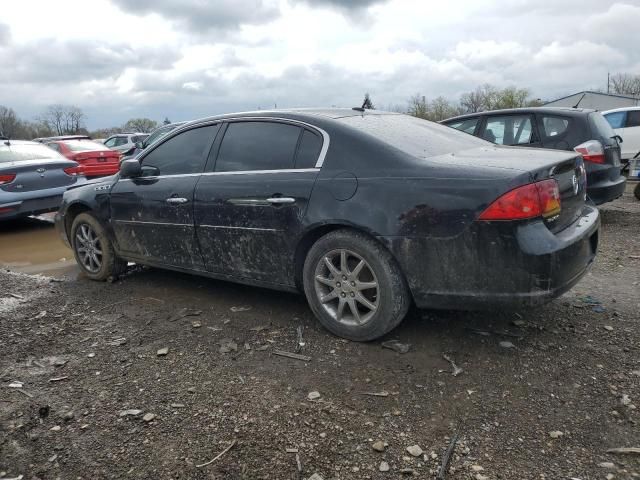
(249, 197)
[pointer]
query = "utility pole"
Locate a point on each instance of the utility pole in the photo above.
(608, 82)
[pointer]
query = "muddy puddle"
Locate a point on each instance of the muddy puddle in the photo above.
(31, 245)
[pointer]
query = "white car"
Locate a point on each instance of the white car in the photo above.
(626, 123)
(123, 142)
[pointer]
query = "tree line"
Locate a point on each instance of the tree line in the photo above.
(70, 120)
(64, 120)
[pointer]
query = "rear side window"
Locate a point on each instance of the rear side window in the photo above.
(554, 126)
(467, 125)
(616, 119)
(54, 146)
(183, 154)
(414, 136)
(257, 146)
(509, 130)
(309, 150)
(633, 118)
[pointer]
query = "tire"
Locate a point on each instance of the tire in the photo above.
(636, 191)
(93, 250)
(390, 296)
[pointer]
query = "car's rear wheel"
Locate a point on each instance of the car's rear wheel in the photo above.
(93, 250)
(354, 286)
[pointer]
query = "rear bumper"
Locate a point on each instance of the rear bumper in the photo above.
(606, 190)
(495, 264)
(28, 207)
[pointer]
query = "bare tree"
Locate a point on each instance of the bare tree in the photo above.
(142, 125)
(418, 106)
(63, 119)
(368, 104)
(625, 84)
(472, 102)
(9, 122)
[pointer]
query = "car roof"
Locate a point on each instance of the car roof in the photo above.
(621, 109)
(298, 114)
(550, 110)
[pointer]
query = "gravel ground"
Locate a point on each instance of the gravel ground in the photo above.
(159, 373)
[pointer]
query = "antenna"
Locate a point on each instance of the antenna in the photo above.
(583, 95)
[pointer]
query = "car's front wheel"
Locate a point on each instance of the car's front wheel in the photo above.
(93, 250)
(354, 286)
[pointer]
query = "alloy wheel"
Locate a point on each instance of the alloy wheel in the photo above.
(347, 287)
(88, 248)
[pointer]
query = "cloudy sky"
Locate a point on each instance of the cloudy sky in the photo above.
(184, 59)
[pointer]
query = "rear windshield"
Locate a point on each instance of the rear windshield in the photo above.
(84, 146)
(412, 135)
(600, 126)
(17, 153)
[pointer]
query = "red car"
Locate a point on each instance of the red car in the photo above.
(94, 158)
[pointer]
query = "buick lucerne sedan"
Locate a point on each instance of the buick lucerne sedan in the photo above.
(365, 212)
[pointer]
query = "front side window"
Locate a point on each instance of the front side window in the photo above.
(183, 154)
(554, 126)
(257, 146)
(467, 125)
(616, 119)
(509, 130)
(633, 118)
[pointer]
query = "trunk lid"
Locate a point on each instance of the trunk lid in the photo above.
(97, 157)
(37, 175)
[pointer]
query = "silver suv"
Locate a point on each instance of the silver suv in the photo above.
(123, 142)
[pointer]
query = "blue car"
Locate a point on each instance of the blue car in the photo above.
(33, 178)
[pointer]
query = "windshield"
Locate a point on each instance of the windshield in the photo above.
(158, 134)
(412, 135)
(84, 146)
(18, 153)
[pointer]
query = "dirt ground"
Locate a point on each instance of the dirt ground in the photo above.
(86, 391)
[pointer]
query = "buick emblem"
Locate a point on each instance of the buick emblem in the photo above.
(576, 185)
(40, 170)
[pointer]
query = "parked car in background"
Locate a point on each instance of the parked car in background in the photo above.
(626, 123)
(364, 211)
(94, 159)
(123, 142)
(575, 129)
(153, 137)
(62, 137)
(33, 178)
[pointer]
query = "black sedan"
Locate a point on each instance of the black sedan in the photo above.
(575, 129)
(364, 211)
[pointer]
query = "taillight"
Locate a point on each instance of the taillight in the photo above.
(8, 178)
(74, 171)
(540, 199)
(591, 151)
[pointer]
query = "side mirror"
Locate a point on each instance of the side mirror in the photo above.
(130, 169)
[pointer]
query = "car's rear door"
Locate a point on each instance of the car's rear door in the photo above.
(152, 216)
(514, 129)
(631, 135)
(250, 205)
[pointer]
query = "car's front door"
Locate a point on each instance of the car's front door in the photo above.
(251, 205)
(152, 216)
(512, 129)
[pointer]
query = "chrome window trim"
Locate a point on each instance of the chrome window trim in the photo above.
(326, 139)
(208, 174)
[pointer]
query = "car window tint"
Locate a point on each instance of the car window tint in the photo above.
(509, 130)
(467, 125)
(633, 118)
(309, 150)
(616, 119)
(184, 153)
(121, 141)
(554, 126)
(111, 142)
(257, 146)
(54, 146)
(599, 126)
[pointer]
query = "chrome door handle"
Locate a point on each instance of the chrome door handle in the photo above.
(281, 200)
(176, 201)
